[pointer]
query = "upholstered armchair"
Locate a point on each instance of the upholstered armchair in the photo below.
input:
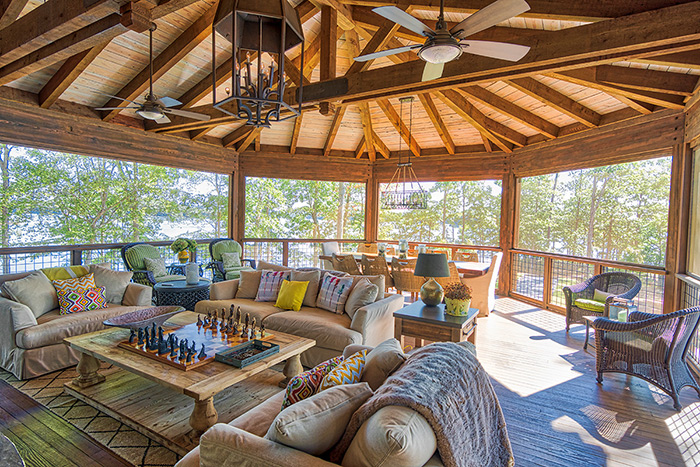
(219, 246)
(651, 347)
(484, 287)
(134, 256)
(581, 298)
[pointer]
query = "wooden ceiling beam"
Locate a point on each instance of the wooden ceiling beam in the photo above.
(557, 100)
(672, 29)
(295, 133)
(438, 123)
(329, 42)
(345, 20)
(197, 135)
(67, 74)
(360, 149)
(306, 11)
(168, 58)
(235, 136)
(10, 11)
(399, 125)
(647, 80)
(333, 132)
(249, 138)
(380, 38)
(381, 147)
(368, 131)
(690, 59)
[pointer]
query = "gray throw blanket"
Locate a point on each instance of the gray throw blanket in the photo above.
(446, 384)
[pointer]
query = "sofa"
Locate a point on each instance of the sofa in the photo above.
(370, 325)
(32, 329)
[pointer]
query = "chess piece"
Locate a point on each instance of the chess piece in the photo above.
(238, 315)
(199, 321)
(175, 340)
(230, 312)
(132, 336)
(214, 321)
(252, 326)
(153, 343)
(153, 331)
(181, 356)
(173, 347)
(223, 327)
(209, 315)
(190, 354)
(140, 341)
(202, 354)
(193, 347)
(262, 330)
(247, 320)
(250, 333)
(160, 334)
(162, 347)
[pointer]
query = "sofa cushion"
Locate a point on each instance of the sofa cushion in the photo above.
(77, 284)
(34, 291)
(381, 362)
(270, 283)
(393, 432)
(52, 328)
(348, 372)
(314, 280)
(78, 301)
(115, 282)
(363, 293)
(316, 424)
(257, 310)
(248, 284)
(258, 419)
(333, 293)
(330, 330)
(378, 280)
(271, 266)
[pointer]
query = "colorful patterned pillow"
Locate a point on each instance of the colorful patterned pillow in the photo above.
(78, 284)
(348, 372)
(270, 283)
(306, 384)
(72, 301)
(334, 292)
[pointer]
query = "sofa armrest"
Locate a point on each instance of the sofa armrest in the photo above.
(16, 315)
(224, 290)
(137, 295)
(376, 321)
(226, 446)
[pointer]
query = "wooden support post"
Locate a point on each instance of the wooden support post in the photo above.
(372, 209)
(547, 292)
(329, 46)
(509, 195)
(232, 195)
(238, 203)
(285, 253)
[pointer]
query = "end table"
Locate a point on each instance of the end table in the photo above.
(180, 293)
(425, 322)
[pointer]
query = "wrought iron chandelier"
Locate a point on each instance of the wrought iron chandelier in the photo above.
(404, 191)
(255, 29)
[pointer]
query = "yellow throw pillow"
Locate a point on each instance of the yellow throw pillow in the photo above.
(68, 272)
(291, 295)
(348, 372)
(79, 284)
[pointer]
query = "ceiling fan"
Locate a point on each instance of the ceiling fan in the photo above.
(155, 108)
(442, 45)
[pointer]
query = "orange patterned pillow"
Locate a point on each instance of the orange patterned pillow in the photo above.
(77, 284)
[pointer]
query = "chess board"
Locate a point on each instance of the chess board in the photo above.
(213, 339)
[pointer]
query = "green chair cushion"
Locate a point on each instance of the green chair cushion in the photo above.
(590, 305)
(136, 254)
(225, 246)
(236, 273)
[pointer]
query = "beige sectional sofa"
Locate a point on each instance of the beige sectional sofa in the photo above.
(370, 325)
(31, 334)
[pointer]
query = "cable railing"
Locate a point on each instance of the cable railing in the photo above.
(690, 297)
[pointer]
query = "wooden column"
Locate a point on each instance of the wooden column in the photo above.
(329, 43)
(237, 206)
(510, 196)
(372, 208)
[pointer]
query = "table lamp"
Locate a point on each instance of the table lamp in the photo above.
(431, 265)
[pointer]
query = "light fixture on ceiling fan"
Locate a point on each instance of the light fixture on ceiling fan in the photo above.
(442, 45)
(154, 108)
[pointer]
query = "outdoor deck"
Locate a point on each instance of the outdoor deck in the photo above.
(556, 413)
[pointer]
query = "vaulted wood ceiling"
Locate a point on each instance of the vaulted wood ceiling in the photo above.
(591, 63)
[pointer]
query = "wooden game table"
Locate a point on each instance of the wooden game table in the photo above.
(156, 399)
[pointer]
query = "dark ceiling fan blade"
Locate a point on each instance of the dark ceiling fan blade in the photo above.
(501, 50)
(386, 53)
(169, 101)
(398, 16)
(163, 119)
(116, 108)
(187, 114)
(116, 97)
(491, 15)
(432, 71)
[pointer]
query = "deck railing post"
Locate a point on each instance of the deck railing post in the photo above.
(285, 252)
(76, 257)
(547, 292)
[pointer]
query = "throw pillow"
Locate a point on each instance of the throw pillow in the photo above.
(75, 301)
(291, 295)
(590, 305)
(600, 296)
(306, 384)
(363, 293)
(393, 432)
(271, 266)
(313, 278)
(114, 282)
(79, 284)
(381, 362)
(333, 293)
(248, 284)
(270, 283)
(68, 272)
(156, 266)
(378, 280)
(316, 424)
(34, 291)
(231, 260)
(348, 372)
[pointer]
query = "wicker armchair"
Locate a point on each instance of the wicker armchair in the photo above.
(619, 284)
(404, 280)
(466, 256)
(226, 245)
(376, 266)
(652, 347)
(367, 248)
(346, 263)
(134, 254)
(454, 275)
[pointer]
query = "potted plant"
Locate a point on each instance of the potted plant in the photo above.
(458, 297)
(184, 248)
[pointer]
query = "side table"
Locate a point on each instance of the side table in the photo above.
(180, 293)
(588, 320)
(431, 323)
(179, 268)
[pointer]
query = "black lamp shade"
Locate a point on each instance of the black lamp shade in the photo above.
(432, 265)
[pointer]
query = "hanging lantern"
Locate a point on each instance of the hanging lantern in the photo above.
(258, 30)
(404, 191)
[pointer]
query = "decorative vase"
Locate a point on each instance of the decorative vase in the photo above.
(403, 248)
(183, 256)
(431, 293)
(192, 273)
(456, 307)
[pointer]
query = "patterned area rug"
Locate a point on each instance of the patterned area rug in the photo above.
(111, 433)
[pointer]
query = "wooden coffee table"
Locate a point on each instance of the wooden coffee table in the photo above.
(155, 398)
(431, 323)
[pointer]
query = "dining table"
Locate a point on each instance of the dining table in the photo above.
(465, 268)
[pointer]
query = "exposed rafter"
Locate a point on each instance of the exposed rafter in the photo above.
(333, 132)
(249, 138)
(647, 80)
(438, 123)
(235, 136)
(295, 134)
(10, 11)
(368, 131)
(399, 125)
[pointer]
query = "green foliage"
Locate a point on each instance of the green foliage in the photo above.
(182, 244)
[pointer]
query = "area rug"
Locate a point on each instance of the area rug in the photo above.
(126, 442)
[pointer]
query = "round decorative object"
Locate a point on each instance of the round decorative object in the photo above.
(456, 307)
(181, 293)
(431, 293)
(183, 256)
(192, 273)
(144, 318)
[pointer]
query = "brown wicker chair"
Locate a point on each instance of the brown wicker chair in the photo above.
(346, 263)
(466, 256)
(376, 266)
(454, 275)
(652, 347)
(404, 280)
(367, 248)
(619, 284)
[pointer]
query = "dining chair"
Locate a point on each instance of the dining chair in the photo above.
(484, 287)
(346, 263)
(375, 266)
(404, 280)
(471, 256)
(367, 248)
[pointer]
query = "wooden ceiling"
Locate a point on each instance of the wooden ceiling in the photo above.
(591, 64)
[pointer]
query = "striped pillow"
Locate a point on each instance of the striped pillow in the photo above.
(78, 284)
(334, 292)
(75, 301)
(348, 372)
(270, 283)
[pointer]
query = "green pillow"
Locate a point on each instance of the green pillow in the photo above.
(156, 266)
(600, 296)
(231, 260)
(590, 305)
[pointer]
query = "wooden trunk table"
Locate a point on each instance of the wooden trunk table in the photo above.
(157, 400)
(431, 323)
